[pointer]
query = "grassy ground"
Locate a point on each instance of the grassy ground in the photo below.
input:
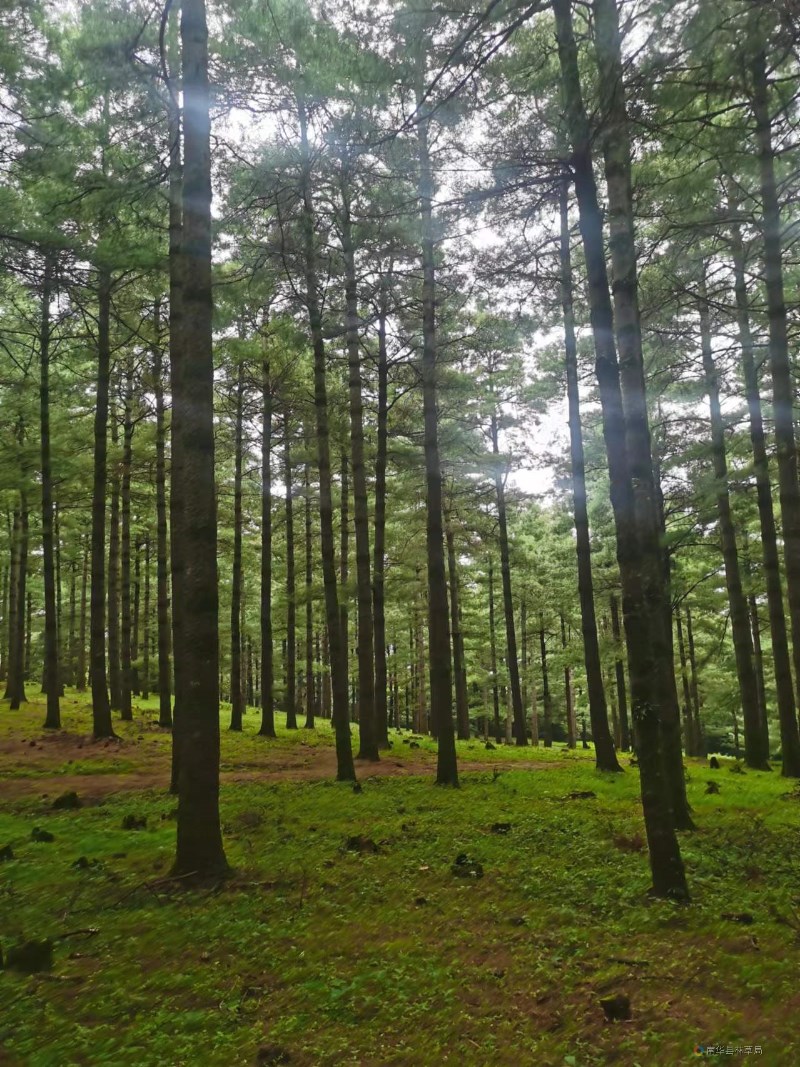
(313, 954)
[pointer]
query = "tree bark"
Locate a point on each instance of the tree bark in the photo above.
(641, 615)
(199, 841)
(145, 674)
(547, 702)
(80, 680)
(379, 548)
(695, 687)
(605, 756)
(162, 550)
(493, 656)
(237, 696)
(309, 694)
(688, 721)
(619, 669)
(572, 739)
(51, 665)
(125, 572)
(291, 587)
(462, 699)
(267, 647)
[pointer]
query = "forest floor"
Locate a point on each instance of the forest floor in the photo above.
(316, 953)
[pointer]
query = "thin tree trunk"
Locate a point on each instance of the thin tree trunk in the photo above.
(80, 679)
(493, 656)
(641, 618)
(17, 694)
(695, 687)
(379, 548)
(688, 721)
(756, 744)
(758, 663)
(547, 702)
(125, 576)
(462, 699)
(136, 681)
(291, 587)
(237, 697)
(619, 668)
(13, 602)
(101, 708)
(162, 558)
(344, 753)
(72, 637)
(267, 647)
(145, 673)
(568, 696)
(114, 668)
(51, 673)
(605, 756)
(787, 716)
(199, 847)
(309, 694)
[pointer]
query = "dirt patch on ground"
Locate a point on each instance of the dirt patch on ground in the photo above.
(24, 766)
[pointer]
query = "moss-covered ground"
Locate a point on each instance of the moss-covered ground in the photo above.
(314, 954)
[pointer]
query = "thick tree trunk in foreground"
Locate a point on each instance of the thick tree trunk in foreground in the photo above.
(643, 617)
(199, 845)
(605, 756)
(756, 743)
(267, 647)
(237, 696)
(438, 623)
(51, 674)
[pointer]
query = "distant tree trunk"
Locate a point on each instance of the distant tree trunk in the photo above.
(29, 639)
(5, 594)
(462, 699)
(145, 674)
(534, 716)
(688, 719)
(642, 618)
(438, 621)
(309, 694)
(136, 681)
(237, 697)
(17, 693)
(336, 637)
(568, 696)
(162, 557)
(344, 559)
(125, 578)
(546, 698)
(267, 648)
(758, 663)
(787, 716)
(72, 637)
(101, 708)
(13, 604)
(51, 674)
(695, 687)
(756, 744)
(80, 678)
(493, 656)
(421, 707)
(327, 696)
(199, 848)
(619, 668)
(379, 549)
(291, 588)
(114, 667)
(605, 756)
(59, 614)
(782, 384)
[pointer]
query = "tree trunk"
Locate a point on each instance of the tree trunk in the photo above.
(787, 716)
(336, 637)
(462, 699)
(17, 692)
(572, 739)
(605, 756)
(72, 642)
(13, 602)
(162, 558)
(756, 744)
(379, 548)
(546, 698)
(493, 656)
(291, 588)
(51, 673)
(125, 577)
(619, 669)
(199, 846)
(267, 648)
(695, 688)
(237, 696)
(145, 673)
(80, 680)
(309, 723)
(136, 681)
(344, 559)
(101, 708)
(114, 668)
(758, 664)
(641, 615)
(688, 721)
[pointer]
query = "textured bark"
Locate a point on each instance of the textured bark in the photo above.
(199, 841)
(336, 638)
(462, 699)
(493, 656)
(758, 663)
(379, 525)
(145, 674)
(80, 669)
(136, 682)
(51, 660)
(114, 665)
(787, 713)
(16, 688)
(101, 708)
(605, 756)
(781, 374)
(70, 667)
(642, 616)
(309, 596)
(438, 627)
(237, 696)
(344, 560)
(547, 702)
(13, 600)
(688, 720)
(756, 742)
(267, 646)
(290, 706)
(162, 549)
(125, 682)
(365, 637)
